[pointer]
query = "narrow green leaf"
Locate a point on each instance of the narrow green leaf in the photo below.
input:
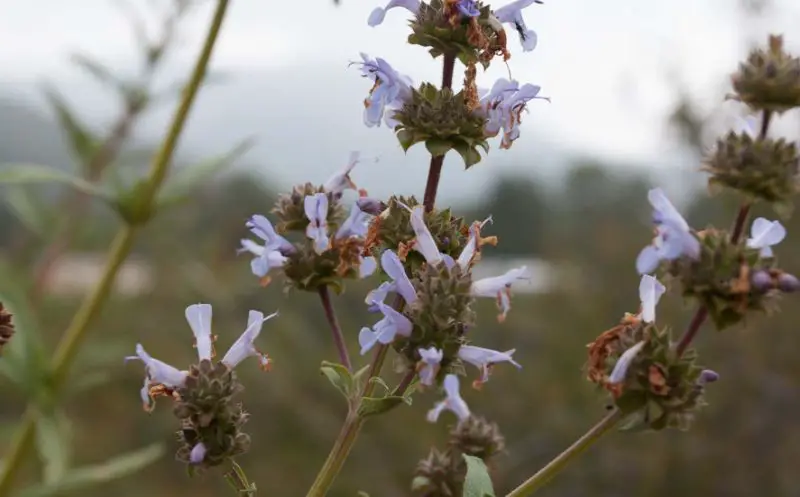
(54, 441)
(89, 476)
(339, 377)
(34, 173)
(28, 209)
(95, 69)
(478, 483)
(372, 406)
(81, 140)
(187, 179)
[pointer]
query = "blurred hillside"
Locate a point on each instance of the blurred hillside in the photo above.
(746, 443)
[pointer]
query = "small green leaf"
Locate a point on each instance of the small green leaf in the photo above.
(469, 154)
(89, 476)
(339, 376)
(372, 406)
(96, 69)
(33, 173)
(477, 483)
(81, 139)
(187, 179)
(437, 146)
(406, 139)
(380, 382)
(54, 441)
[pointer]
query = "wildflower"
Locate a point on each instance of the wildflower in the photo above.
(356, 224)
(512, 14)
(198, 453)
(371, 205)
(341, 181)
(244, 347)
(385, 330)
(265, 259)
(316, 209)
(503, 106)
(377, 15)
(160, 377)
(262, 228)
(390, 90)
(199, 318)
(471, 250)
(764, 234)
(468, 8)
(452, 401)
(673, 235)
(650, 292)
(499, 287)
(428, 366)
(485, 359)
(400, 283)
(623, 363)
(707, 376)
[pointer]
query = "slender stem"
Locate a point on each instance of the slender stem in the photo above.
(691, 331)
(338, 455)
(120, 248)
(435, 169)
(544, 475)
(338, 337)
(401, 387)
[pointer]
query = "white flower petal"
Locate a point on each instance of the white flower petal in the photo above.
(650, 292)
(624, 362)
(199, 318)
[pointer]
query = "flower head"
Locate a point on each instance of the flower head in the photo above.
(512, 14)
(485, 359)
(650, 291)
(244, 346)
(503, 106)
(385, 330)
(316, 209)
(428, 366)
(377, 15)
(262, 228)
(499, 287)
(265, 259)
(764, 234)
(673, 235)
(389, 91)
(341, 181)
(452, 401)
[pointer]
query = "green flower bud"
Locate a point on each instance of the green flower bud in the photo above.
(443, 120)
(307, 270)
(769, 79)
(762, 169)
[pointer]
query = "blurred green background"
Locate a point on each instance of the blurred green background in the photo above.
(585, 230)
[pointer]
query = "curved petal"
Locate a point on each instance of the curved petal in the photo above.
(199, 318)
(648, 260)
(650, 292)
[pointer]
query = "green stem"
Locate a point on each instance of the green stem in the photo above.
(73, 337)
(338, 455)
(554, 467)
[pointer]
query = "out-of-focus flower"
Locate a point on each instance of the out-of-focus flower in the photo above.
(428, 366)
(377, 15)
(452, 401)
(673, 235)
(512, 14)
(485, 359)
(764, 234)
(198, 453)
(316, 208)
(385, 330)
(650, 292)
(388, 94)
(341, 180)
(499, 287)
(468, 8)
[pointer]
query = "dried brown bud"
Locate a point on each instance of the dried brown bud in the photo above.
(6, 327)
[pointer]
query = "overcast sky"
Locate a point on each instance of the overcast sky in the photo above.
(610, 67)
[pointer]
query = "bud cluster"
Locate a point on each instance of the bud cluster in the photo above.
(769, 80)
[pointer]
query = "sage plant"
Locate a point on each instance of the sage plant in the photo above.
(421, 258)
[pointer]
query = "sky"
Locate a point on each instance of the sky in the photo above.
(612, 69)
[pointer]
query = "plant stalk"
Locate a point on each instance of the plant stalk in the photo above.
(338, 337)
(435, 169)
(76, 332)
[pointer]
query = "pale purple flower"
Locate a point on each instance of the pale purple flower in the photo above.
(385, 330)
(156, 373)
(199, 318)
(468, 8)
(262, 228)
(400, 282)
(470, 251)
(764, 234)
(367, 266)
(265, 260)
(428, 366)
(650, 292)
(371, 205)
(452, 401)
(623, 363)
(316, 209)
(341, 181)
(512, 14)
(424, 242)
(502, 107)
(198, 453)
(377, 15)
(485, 359)
(499, 287)
(707, 376)
(673, 239)
(390, 90)
(244, 346)
(356, 224)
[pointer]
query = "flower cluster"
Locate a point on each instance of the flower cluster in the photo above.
(203, 395)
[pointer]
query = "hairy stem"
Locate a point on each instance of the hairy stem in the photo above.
(338, 337)
(76, 332)
(736, 234)
(554, 467)
(435, 169)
